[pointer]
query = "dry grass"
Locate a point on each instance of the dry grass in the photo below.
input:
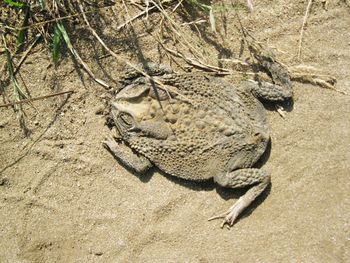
(53, 22)
(25, 25)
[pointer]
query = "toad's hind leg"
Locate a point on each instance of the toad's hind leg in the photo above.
(241, 178)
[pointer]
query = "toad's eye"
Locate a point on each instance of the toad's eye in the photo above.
(126, 120)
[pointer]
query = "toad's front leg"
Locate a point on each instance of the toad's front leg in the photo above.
(126, 156)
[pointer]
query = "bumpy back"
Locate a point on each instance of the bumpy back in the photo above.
(209, 123)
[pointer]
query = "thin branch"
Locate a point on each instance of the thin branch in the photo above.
(178, 4)
(135, 17)
(197, 63)
(46, 21)
(26, 53)
(303, 27)
(177, 30)
(37, 98)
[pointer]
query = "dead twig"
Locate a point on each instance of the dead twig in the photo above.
(135, 17)
(125, 7)
(327, 82)
(307, 74)
(197, 63)
(26, 53)
(177, 5)
(176, 29)
(79, 59)
(303, 27)
(250, 5)
(37, 98)
(143, 73)
(46, 21)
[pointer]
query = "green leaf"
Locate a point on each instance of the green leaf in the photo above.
(18, 92)
(66, 38)
(212, 20)
(56, 43)
(42, 4)
(200, 5)
(15, 3)
(23, 32)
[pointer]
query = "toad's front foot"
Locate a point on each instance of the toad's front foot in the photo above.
(109, 143)
(126, 156)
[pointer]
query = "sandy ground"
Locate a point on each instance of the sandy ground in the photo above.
(64, 198)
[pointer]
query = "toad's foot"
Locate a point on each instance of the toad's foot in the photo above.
(231, 214)
(242, 178)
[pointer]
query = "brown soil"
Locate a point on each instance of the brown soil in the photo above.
(64, 198)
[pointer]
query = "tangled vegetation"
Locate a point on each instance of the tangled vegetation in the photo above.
(23, 24)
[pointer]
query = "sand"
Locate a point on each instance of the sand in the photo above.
(64, 198)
